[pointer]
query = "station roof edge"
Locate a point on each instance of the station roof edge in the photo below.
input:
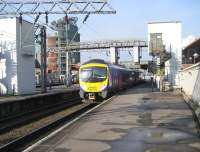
(165, 22)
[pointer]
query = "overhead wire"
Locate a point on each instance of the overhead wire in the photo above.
(94, 30)
(36, 19)
(15, 9)
(49, 27)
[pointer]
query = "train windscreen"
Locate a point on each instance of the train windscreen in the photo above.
(93, 74)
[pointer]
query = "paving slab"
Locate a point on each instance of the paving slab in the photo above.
(138, 120)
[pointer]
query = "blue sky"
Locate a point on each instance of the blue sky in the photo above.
(132, 18)
(133, 15)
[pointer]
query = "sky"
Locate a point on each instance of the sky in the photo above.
(133, 16)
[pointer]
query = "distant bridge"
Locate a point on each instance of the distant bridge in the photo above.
(105, 45)
(112, 45)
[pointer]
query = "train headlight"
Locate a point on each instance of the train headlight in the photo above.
(103, 87)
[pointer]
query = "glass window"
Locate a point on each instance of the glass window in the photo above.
(93, 74)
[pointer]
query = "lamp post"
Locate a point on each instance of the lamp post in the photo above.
(190, 59)
(195, 55)
(184, 59)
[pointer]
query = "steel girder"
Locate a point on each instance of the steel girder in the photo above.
(35, 7)
(99, 45)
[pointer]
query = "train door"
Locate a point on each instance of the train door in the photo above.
(120, 79)
(110, 78)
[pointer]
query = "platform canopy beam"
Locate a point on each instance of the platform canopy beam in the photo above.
(35, 7)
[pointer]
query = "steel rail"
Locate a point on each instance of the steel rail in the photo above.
(18, 144)
(29, 116)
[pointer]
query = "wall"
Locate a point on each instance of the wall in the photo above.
(20, 105)
(114, 55)
(52, 57)
(67, 33)
(8, 80)
(25, 57)
(18, 49)
(2, 75)
(171, 37)
(190, 78)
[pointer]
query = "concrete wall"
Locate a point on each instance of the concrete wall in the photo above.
(16, 106)
(17, 47)
(190, 78)
(171, 37)
(9, 56)
(136, 55)
(114, 55)
(25, 57)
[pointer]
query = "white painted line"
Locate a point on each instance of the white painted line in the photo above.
(65, 126)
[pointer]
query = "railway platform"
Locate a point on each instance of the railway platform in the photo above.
(17, 105)
(137, 120)
(53, 90)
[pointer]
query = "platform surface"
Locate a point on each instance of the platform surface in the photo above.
(136, 121)
(53, 90)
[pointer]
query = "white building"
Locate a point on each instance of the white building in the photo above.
(169, 33)
(17, 70)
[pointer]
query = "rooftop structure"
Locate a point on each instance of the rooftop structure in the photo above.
(164, 39)
(191, 53)
(67, 33)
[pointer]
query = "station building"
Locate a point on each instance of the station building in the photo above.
(17, 55)
(66, 32)
(190, 73)
(191, 53)
(164, 39)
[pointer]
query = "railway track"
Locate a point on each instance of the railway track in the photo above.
(20, 143)
(70, 113)
(15, 127)
(10, 122)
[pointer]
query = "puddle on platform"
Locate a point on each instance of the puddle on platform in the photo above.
(188, 141)
(144, 98)
(62, 150)
(145, 119)
(157, 135)
(144, 139)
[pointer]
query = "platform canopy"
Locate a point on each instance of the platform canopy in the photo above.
(35, 7)
(191, 53)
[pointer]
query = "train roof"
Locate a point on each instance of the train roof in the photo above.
(100, 61)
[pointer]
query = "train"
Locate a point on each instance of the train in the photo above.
(98, 79)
